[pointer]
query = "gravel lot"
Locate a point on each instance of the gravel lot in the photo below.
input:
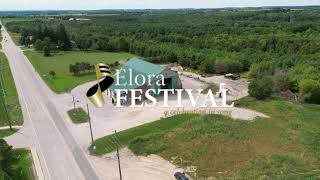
(107, 119)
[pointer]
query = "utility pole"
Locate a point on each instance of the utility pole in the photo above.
(92, 142)
(4, 96)
(118, 155)
(74, 102)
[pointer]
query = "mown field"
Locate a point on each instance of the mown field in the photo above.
(285, 146)
(11, 97)
(59, 62)
(8, 132)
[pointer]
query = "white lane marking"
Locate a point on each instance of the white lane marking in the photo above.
(29, 116)
(32, 125)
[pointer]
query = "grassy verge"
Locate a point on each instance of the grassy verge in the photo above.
(78, 116)
(103, 144)
(11, 97)
(22, 166)
(7, 132)
(64, 81)
(284, 146)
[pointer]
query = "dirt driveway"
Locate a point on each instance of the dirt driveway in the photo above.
(134, 167)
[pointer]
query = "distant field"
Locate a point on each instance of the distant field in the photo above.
(11, 97)
(15, 37)
(64, 81)
(7, 20)
(286, 146)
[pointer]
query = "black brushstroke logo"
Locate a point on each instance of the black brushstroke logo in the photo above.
(105, 80)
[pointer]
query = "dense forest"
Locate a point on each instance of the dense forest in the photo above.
(279, 46)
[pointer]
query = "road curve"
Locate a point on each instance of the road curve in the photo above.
(61, 158)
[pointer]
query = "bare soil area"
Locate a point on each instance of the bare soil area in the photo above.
(134, 167)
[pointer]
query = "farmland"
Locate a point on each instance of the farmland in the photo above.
(59, 63)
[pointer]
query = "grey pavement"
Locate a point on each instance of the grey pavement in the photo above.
(44, 129)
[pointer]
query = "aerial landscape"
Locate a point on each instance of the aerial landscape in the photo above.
(160, 91)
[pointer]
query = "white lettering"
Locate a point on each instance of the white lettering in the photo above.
(179, 97)
(119, 97)
(166, 96)
(194, 101)
(137, 80)
(224, 99)
(134, 97)
(160, 81)
(151, 98)
(211, 99)
(120, 77)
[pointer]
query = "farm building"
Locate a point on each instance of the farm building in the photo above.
(139, 74)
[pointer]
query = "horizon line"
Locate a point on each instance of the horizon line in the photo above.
(232, 7)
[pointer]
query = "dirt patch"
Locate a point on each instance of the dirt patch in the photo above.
(134, 167)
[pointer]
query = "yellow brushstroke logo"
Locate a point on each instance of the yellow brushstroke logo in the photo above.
(105, 80)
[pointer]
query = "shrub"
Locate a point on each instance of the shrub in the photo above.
(227, 66)
(207, 66)
(261, 88)
(52, 73)
(309, 91)
(148, 144)
(283, 82)
(46, 51)
(262, 69)
(38, 45)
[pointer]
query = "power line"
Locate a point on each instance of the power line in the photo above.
(4, 95)
(92, 141)
(116, 141)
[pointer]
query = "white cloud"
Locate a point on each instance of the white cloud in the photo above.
(142, 4)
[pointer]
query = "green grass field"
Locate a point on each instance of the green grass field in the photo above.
(11, 97)
(285, 146)
(15, 37)
(14, 19)
(7, 132)
(59, 62)
(78, 116)
(22, 167)
(103, 145)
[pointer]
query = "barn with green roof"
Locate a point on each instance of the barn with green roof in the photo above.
(144, 75)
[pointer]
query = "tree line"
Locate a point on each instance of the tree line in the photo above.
(46, 38)
(208, 41)
(80, 68)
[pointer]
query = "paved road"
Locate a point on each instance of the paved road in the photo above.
(61, 158)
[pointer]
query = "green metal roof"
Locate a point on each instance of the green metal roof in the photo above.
(139, 67)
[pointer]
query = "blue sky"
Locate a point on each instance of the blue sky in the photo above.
(143, 4)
